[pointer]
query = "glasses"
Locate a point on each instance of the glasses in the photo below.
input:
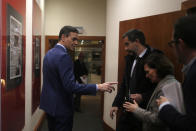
(172, 43)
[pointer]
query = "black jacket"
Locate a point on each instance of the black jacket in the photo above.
(144, 85)
(173, 118)
(79, 70)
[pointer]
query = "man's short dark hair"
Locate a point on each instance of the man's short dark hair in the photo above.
(66, 30)
(134, 34)
(191, 11)
(185, 29)
(161, 63)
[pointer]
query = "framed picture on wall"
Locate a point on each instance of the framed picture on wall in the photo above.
(37, 55)
(14, 48)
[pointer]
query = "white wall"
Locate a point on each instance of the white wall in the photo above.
(38, 113)
(90, 14)
(118, 10)
(31, 119)
(28, 65)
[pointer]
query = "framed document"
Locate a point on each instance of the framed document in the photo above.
(14, 48)
(37, 55)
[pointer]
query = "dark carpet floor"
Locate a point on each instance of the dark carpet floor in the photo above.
(90, 117)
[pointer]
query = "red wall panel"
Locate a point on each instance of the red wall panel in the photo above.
(0, 52)
(13, 100)
(36, 73)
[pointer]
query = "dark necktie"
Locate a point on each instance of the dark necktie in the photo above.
(137, 58)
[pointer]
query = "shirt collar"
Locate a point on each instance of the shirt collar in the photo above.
(62, 46)
(186, 68)
(142, 54)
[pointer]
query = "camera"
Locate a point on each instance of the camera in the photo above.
(127, 99)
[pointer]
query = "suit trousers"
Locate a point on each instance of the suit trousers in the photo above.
(128, 122)
(59, 123)
(77, 102)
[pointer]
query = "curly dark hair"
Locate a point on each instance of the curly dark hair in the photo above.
(161, 63)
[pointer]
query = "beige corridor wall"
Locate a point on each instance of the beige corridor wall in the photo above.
(118, 10)
(90, 14)
(31, 120)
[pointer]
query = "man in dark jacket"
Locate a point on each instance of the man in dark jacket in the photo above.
(184, 45)
(81, 73)
(135, 85)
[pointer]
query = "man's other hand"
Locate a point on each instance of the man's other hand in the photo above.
(113, 112)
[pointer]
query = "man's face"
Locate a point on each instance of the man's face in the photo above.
(70, 41)
(130, 47)
(178, 50)
(179, 54)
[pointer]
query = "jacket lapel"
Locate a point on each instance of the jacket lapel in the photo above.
(158, 88)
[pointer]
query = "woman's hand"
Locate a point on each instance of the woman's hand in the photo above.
(130, 107)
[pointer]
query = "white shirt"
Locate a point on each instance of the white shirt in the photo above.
(62, 46)
(134, 63)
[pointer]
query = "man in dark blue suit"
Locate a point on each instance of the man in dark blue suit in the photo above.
(184, 44)
(59, 82)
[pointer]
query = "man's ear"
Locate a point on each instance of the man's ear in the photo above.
(137, 40)
(181, 43)
(62, 37)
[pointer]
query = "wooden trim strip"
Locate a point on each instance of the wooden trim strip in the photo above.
(40, 122)
(188, 4)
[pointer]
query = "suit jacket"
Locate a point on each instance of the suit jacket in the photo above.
(176, 120)
(143, 85)
(59, 84)
(169, 87)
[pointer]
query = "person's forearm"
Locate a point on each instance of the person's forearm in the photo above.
(147, 116)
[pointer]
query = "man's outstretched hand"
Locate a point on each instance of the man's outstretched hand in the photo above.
(108, 86)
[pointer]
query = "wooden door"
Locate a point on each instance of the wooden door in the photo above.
(158, 32)
(1, 80)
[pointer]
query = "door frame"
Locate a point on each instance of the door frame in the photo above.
(0, 53)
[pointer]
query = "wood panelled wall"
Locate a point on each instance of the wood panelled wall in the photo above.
(188, 4)
(158, 32)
